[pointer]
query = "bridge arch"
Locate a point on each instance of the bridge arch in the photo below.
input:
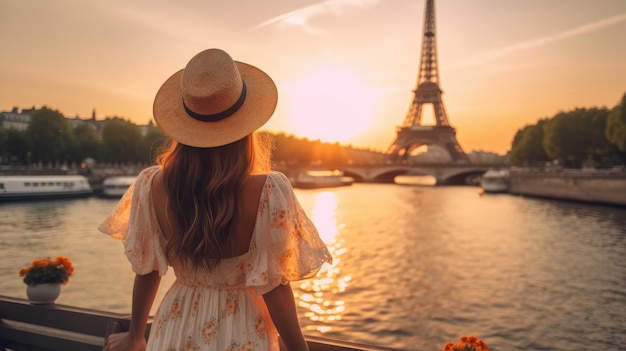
(445, 174)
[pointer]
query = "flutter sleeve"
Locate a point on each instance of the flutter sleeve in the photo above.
(134, 222)
(288, 246)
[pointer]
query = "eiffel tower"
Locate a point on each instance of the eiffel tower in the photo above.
(412, 134)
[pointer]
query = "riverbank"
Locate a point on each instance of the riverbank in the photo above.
(600, 187)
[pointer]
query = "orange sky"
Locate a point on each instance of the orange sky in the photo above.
(345, 69)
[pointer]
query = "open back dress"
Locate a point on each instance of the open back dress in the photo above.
(220, 309)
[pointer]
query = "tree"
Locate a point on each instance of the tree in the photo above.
(48, 133)
(14, 146)
(576, 136)
(288, 149)
(527, 147)
(121, 141)
(153, 141)
(85, 143)
(616, 126)
(601, 150)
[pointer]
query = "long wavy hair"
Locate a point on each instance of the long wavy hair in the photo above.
(204, 188)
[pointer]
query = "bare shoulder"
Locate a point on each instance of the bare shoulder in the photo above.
(159, 195)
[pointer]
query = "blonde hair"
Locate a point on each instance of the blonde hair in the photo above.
(204, 190)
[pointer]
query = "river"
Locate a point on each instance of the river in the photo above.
(415, 266)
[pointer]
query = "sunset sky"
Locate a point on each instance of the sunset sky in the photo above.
(345, 69)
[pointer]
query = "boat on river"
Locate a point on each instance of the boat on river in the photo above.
(495, 181)
(40, 187)
(116, 186)
(54, 327)
(321, 179)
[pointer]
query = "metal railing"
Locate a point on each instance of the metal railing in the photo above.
(54, 327)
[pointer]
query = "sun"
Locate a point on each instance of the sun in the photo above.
(332, 104)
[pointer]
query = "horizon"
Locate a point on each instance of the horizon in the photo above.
(345, 69)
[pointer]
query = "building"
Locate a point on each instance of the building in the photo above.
(91, 122)
(15, 119)
(19, 120)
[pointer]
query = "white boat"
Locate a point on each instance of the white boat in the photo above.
(321, 179)
(495, 181)
(39, 187)
(116, 186)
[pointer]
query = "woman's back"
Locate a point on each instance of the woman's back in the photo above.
(243, 222)
(213, 304)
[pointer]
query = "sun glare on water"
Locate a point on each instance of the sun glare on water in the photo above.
(331, 104)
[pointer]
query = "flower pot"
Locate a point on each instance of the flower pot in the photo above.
(42, 294)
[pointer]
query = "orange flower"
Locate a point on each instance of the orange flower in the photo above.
(468, 339)
(66, 263)
(46, 270)
(42, 262)
(468, 343)
(449, 346)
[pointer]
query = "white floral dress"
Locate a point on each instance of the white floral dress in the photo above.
(222, 309)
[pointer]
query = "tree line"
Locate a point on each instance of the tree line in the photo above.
(568, 138)
(574, 137)
(50, 139)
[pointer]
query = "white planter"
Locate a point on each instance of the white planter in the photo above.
(42, 294)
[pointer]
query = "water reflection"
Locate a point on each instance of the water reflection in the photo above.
(414, 266)
(321, 295)
(415, 180)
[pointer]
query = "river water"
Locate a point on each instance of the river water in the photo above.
(415, 266)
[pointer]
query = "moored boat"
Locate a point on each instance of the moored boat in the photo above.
(321, 179)
(116, 186)
(495, 181)
(39, 187)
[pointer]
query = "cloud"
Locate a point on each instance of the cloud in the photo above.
(531, 44)
(302, 16)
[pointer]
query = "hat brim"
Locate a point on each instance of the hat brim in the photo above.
(258, 107)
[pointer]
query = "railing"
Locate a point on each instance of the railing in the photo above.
(26, 327)
(53, 327)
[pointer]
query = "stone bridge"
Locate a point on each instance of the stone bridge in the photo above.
(445, 174)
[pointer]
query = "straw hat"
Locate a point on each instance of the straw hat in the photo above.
(214, 101)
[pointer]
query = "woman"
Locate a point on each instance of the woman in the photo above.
(233, 231)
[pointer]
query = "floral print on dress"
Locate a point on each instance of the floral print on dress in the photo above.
(246, 346)
(230, 307)
(220, 309)
(172, 313)
(190, 346)
(209, 330)
(195, 301)
(261, 332)
(279, 219)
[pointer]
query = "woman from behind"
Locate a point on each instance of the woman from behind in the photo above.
(232, 230)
